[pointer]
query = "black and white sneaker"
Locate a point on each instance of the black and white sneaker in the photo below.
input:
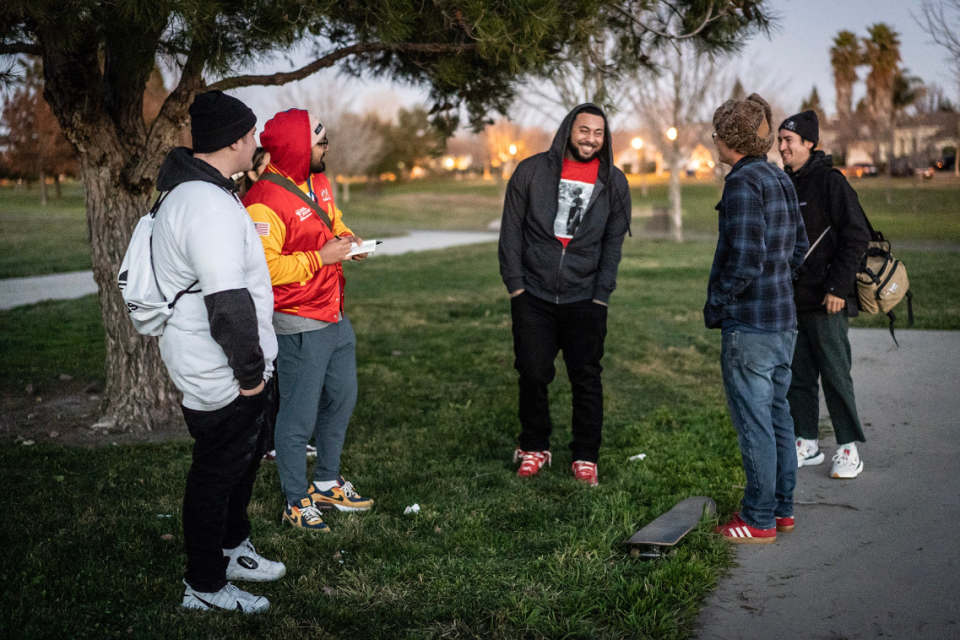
(248, 565)
(808, 453)
(229, 597)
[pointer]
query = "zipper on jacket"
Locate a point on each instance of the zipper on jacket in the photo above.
(559, 269)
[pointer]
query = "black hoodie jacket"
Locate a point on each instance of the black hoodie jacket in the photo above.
(531, 256)
(233, 314)
(827, 200)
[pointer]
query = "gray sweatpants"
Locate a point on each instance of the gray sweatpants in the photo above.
(317, 372)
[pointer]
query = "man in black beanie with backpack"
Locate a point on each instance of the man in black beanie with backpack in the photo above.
(218, 346)
(825, 295)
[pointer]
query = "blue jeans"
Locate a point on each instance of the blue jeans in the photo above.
(756, 377)
(317, 375)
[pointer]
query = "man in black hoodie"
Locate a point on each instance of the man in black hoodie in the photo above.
(825, 295)
(564, 219)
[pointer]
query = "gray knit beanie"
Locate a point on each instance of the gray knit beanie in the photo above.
(744, 125)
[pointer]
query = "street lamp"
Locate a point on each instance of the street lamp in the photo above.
(672, 133)
(636, 143)
(513, 149)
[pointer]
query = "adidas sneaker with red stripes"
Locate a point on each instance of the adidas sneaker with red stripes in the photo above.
(739, 532)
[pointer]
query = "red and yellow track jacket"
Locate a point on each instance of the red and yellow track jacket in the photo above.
(290, 231)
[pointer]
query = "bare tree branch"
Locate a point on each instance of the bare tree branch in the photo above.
(12, 48)
(332, 58)
(710, 17)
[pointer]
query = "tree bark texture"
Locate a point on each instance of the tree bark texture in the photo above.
(139, 394)
(118, 160)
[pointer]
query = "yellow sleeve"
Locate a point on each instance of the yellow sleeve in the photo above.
(284, 269)
(339, 229)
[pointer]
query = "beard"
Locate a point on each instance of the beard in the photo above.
(579, 157)
(317, 166)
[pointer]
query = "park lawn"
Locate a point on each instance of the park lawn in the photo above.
(37, 241)
(920, 212)
(488, 555)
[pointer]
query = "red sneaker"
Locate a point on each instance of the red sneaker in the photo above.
(739, 532)
(785, 525)
(585, 472)
(531, 461)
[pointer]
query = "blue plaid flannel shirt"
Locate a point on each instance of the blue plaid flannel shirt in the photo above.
(762, 242)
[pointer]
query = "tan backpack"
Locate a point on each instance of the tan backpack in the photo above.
(882, 281)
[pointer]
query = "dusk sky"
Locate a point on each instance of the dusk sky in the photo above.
(794, 58)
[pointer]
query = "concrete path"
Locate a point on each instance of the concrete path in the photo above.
(878, 556)
(15, 292)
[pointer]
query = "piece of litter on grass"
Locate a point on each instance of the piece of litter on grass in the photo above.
(336, 556)
(164, 515)
(329, 591)
(415, 508)
(639, 456)
(27, 443)
(167, 536)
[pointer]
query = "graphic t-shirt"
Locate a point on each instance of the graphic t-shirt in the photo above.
(577, 180)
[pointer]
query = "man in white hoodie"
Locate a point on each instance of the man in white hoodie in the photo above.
(219, 347)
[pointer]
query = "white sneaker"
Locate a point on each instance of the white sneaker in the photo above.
(846, 464)
(246, 564)
(229, 598)
(808, 453)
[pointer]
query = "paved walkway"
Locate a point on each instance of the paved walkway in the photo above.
(878, 556)
(15, 292)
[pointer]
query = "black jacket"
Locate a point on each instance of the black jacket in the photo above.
(532, 258)
(828, 200)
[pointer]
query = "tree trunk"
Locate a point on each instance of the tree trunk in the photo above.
(139, 394)
(56, 184)
(676, 209)
(844, 100)
(956, 151)
(346, 192)
(43, 189)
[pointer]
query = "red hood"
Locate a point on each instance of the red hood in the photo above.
(287, 137)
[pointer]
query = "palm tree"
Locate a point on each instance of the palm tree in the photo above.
(882, 53)
(845, 56)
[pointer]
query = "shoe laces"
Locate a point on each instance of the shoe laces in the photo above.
(844, 457)
(580, 467)
(348, 490)
(311, 514)
(533, 457)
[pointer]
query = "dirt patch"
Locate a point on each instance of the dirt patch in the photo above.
(64, 415)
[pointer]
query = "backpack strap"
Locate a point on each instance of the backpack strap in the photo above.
(287, 184)
(154, 210)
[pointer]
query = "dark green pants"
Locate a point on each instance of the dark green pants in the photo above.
(822, 355)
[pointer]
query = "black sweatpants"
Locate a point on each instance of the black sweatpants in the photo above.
(540, 330)
(226, 456)
(822, 357)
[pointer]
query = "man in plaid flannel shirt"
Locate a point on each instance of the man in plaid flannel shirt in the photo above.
(750, 297)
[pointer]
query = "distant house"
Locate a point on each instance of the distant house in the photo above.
(919, 140)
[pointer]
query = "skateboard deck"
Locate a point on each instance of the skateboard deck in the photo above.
(653, 540)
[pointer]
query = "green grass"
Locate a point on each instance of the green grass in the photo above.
(919, 212)
(489, 555)
(37, 240)
(53, 239)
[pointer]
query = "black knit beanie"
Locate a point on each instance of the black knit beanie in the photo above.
(805, 124)
(218, 120)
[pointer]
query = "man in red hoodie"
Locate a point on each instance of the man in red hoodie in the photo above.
(305, 242)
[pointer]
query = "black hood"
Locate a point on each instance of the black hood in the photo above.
(559, 146)
(180, 166)
(817, 160)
